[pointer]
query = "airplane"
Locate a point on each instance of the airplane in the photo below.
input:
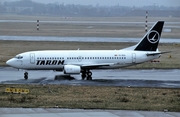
(83, 61)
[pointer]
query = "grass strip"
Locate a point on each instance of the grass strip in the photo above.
(96, 97)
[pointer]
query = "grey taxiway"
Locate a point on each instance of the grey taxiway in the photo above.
(38, 112)
(164, 78)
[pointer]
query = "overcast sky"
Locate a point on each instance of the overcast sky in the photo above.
(113, 2)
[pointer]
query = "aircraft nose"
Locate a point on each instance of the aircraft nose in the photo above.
(14, 63)
(9, 62)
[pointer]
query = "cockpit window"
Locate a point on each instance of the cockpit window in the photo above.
(19, 57)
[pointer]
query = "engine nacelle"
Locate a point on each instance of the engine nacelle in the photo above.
(72, 69)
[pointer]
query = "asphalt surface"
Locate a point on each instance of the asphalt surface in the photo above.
(165, 78)
(82, 39)
(86, 22)
(38, 112)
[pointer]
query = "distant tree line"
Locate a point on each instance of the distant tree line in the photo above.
(28, 7)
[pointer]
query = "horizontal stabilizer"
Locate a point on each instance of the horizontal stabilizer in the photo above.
(157, 53)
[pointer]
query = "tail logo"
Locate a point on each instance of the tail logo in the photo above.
(153, 36)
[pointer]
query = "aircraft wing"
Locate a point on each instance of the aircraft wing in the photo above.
(96, 65)
(156, 53)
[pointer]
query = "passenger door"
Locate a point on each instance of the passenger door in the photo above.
(32, 58)
(133, 58)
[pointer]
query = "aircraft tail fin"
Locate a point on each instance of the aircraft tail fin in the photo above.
(151, 39)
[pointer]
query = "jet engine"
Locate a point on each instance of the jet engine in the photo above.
(72, 69)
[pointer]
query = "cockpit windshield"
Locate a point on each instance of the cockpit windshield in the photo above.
(18, 57)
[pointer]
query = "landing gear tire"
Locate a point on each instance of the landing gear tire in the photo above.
(89, 75)
(83, 75)
(26, 75)
(89, 78)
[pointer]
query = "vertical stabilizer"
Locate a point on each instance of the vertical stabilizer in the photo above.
(151, 39)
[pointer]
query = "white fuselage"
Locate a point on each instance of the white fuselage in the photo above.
(94, 59)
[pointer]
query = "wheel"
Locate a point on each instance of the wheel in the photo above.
(26, 75)
(89, 75)
(89, 78)
(83, 75)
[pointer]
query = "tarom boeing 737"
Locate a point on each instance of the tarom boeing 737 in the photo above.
(83, 61)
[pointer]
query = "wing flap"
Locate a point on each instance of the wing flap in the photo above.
(96, 65)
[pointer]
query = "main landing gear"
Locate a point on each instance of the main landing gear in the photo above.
(25, 75)
(86, 74)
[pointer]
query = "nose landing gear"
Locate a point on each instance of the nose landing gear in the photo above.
(25, 75)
